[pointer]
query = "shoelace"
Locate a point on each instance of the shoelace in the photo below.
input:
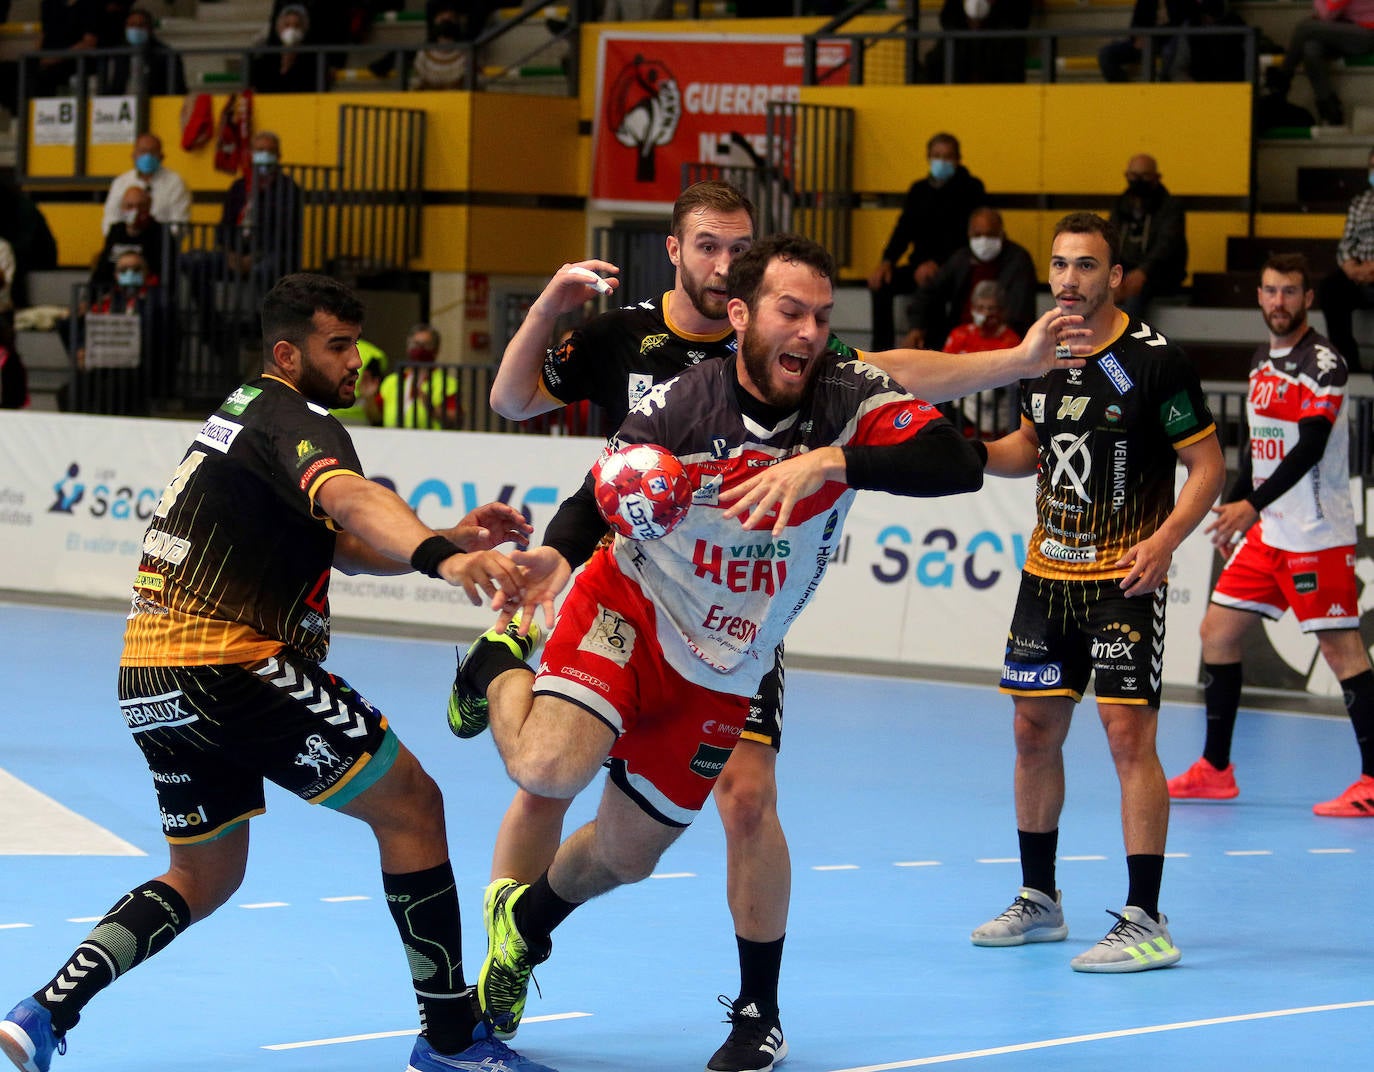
(1126, 931)
(1021, 908)
(754, 1029)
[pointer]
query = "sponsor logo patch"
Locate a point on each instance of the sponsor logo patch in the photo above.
(709, 760)
(610, 636)
(218, 433)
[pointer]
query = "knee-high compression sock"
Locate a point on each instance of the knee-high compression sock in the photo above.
(1358, 694)
(1145, 872)
(1037, 860)
(140, 924)
(760, 965)
(490, 661)
(424, 905)
(1222, 695)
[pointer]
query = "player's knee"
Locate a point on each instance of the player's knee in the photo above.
(629, 864)
(745, 803)
(547, 774)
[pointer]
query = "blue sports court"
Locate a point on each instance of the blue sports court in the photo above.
(896, 796)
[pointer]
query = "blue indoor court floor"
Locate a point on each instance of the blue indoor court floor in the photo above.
(896, 796)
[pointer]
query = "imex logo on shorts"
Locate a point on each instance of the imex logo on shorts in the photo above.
(184, 821)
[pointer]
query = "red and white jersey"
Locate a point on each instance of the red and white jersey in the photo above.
(723, 595)
(1288, 386)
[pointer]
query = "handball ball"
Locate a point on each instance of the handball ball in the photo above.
(642, 490)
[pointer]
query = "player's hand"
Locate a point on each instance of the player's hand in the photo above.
(491, 525)
(573, 284)
(544, 575)
(479, 572)
(880, 276)
(776, 490)
(1148, 563)
(1230, 524)
(1056, 341)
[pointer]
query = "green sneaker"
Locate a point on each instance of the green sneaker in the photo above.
(467, 708)
(1135, 943)
(504, 981)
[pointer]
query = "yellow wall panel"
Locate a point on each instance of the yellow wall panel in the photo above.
(77, 231)
(520, 241)
(1300, 225)
(444, 239)
(526, 144)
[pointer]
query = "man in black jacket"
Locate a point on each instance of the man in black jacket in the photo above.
(933, 224)
(1154, 240)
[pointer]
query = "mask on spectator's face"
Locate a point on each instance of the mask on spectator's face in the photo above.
(292, 36)
(985, 247)
(446, 30)
(264, 159)
(132, 278)
(129, 216)
(941, 170)
(136, 36)
(147, 163)
(979, 319)
(420, 352)
(1140, 187)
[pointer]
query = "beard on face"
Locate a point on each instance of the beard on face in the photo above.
(1275, 321)
(316, 385)
(758, 364)
(707, 305)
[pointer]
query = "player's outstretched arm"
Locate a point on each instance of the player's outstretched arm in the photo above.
(381, 535)
(941, 377)
(490, 526)
(518, 391)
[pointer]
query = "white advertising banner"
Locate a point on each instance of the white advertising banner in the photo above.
(923, 581)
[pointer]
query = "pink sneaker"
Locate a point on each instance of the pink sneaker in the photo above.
(1202, 781)
(1356, 802)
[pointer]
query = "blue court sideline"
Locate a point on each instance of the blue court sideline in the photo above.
(896, 796)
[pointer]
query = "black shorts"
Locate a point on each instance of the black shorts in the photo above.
(211, 734)
(1064, 631)
(764, 723)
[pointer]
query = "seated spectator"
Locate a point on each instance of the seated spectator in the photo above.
(154, 68)
(114, 373)
(69, 26)
(257, 241)
(171, 197)
(288, 71)
(1336, 28)
(986, 329)
(136, 230)
(1351, 285)
(334, 22)
(1154, 241)
(417, 395)
(988, 255)
(442, 63)
(932, 225)
(998, 59)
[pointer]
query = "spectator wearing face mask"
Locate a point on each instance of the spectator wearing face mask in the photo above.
(136, 231)
(932, 225)
(991, 412)
(417, 394)
(988, 255)
(1154, 240)
(154, 68)
(171, 197)
(108, 380)
(442, 63)
(289, 71)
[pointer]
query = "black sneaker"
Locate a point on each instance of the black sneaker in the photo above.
(755, 1043)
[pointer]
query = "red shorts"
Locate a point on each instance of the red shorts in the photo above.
(672, 736)
(1319, 585)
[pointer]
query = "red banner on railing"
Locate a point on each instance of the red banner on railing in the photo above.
(664, 100)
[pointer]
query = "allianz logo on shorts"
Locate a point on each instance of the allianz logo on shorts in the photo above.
(1046, 675)
(155, 712)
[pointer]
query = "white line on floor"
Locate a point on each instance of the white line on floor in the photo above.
(267, 904)
(675, 874)
(835, 867)
(1072, 1040)
(916, 863)
(409, 1031)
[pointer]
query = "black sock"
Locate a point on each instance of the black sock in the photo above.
(1037, 860)
(424, 905)
(1146, 873)
(538, 911)
(142, 923)
(1222, 693)
(760, 965)
(1358, 694)
(490, 661)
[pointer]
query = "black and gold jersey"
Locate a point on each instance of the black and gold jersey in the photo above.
(236, 560)
(1108, 433)
(615, 358)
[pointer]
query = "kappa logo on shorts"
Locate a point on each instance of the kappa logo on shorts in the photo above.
(610, 636)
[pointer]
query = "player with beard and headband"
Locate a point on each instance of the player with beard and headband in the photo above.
(1105, 442)
(659, 648)
(614, 360)
(1288, 527)
(221, 685)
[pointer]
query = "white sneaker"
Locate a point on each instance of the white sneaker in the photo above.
(1032, 917)
(1136, 943)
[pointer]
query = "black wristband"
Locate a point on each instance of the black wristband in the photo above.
(426, 558)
